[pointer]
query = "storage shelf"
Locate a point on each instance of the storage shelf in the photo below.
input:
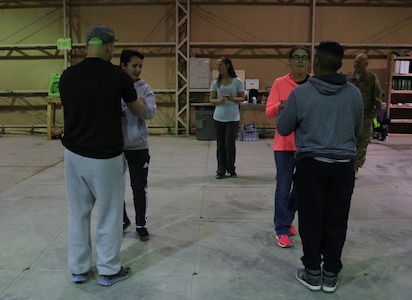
(45, 92)
(399, 102)
(164, 91)
(401, 92)
(208, 91)
(395, 106)
(402, 58)
(401, 121)
(199, 90)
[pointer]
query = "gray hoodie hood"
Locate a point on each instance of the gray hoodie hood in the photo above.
(328, 84)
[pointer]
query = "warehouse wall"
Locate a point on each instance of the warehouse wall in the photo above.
(208, 23)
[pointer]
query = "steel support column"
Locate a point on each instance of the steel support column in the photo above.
(182, 67)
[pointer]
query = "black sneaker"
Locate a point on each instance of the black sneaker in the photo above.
(142, 233)
(310, 279)
(108, 280)
(220, 176)
(233, 175)
(329, 282)
(126, 225)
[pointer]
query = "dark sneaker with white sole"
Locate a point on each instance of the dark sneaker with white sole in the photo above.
(329, 282)
(310, 279)
(108, 280)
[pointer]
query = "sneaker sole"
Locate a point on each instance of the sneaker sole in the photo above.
(144, 238)
(330, 289)
(79, 278)
(105, 282)
(314, 288)
(285, 246)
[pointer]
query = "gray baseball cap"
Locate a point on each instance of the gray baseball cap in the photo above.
(99, 35)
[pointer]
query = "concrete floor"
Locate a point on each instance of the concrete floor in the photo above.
(210, 239)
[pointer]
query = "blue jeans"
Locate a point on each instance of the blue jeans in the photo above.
(285, 166)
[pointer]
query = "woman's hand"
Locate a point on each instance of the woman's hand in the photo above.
(224, 98)
(228, 97)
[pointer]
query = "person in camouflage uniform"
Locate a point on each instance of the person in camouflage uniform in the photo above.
(371, 91)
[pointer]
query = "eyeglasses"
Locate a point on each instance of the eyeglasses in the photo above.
(298, 58)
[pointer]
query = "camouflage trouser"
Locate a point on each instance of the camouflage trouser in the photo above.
(362, 143)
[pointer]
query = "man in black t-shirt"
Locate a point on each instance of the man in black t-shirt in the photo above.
(91, 93)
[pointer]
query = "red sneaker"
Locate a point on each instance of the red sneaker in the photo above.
(292, 230)
(284, 241)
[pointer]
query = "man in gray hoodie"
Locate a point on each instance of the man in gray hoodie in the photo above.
(326, 115)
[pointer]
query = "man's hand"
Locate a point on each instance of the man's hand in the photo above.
(136, 107)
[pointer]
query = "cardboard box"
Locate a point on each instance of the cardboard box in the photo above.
(252, 84)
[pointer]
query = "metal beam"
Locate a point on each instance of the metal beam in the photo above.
(210, 49)
(182, 67)
(280, 50)
(50, 51)
(29, 4)
(10, 4)
(4, 4)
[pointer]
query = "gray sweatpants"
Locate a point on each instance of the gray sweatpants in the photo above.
(88, 181)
